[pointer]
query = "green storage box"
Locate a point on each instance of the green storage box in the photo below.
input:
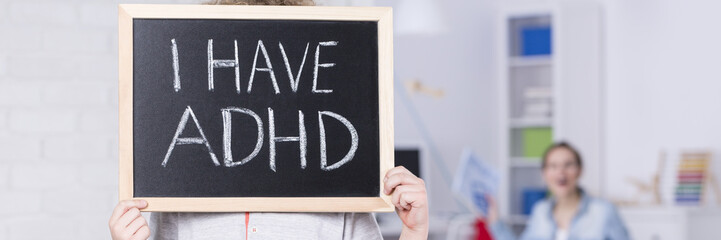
(536, 140)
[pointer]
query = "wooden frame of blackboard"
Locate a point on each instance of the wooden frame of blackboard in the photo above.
(381, 15)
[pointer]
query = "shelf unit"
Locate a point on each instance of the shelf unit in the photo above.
(552, 95)
(530, 122)
(525, 162)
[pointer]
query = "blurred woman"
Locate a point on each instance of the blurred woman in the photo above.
(569, 213)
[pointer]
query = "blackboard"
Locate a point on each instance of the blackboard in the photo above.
(253, 108)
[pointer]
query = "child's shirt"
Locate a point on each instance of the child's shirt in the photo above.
(216, 226)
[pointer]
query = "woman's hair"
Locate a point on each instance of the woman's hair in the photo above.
(262, 2)
(565, 145)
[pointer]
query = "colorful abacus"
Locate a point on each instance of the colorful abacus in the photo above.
(692, 173)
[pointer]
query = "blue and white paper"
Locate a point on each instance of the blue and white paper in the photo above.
(474, 180)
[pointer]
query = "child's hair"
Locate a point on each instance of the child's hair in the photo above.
(562, 145)
(262, 2)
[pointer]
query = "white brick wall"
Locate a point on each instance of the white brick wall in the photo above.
(19, 203)
(18, 147)
(44, 13)
(58, 117)
(4, 172)
(3, 66)
(42, 120)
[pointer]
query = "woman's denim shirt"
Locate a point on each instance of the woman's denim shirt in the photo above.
(596, 219)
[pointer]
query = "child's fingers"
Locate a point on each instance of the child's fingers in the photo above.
(396, 170)
(127, 218)
(400, 179)
(400, 191)
(410, 200)
(136, 224)
(142, 234)
(404, 201)
(123, 207)
(396, 196)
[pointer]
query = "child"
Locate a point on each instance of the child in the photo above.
(408, 195)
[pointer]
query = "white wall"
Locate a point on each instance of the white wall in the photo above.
(662, 84)
(460, 61)
(58, 118)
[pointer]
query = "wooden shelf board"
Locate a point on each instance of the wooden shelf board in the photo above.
(530, 122)
(530, 61)
(523, 162)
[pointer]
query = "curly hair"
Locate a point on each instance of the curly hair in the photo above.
(262, 2)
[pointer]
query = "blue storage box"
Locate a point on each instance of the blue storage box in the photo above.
(530, 197)
(535, 41)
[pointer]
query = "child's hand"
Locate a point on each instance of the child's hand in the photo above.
(126, 222)
(408, 194)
